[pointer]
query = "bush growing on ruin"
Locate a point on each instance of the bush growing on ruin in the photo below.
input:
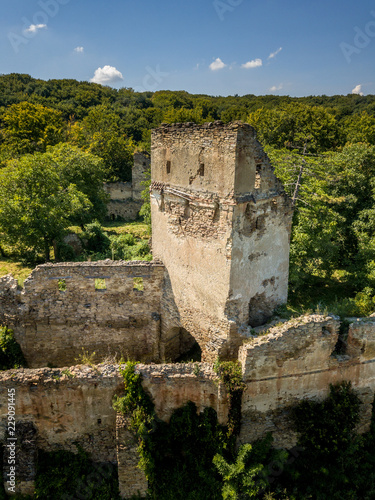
(126, 247)
(95, 239)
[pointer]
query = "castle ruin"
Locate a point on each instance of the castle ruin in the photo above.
(126, 197)
(221, 227)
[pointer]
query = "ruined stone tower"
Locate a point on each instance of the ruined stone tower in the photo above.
(221, 225)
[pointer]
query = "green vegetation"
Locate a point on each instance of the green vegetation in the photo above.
(115, 241)
(17, 269)
(10, 351)
(192, 457)
(42, 194)
(231, 375)
(62, 474)
(185, 458)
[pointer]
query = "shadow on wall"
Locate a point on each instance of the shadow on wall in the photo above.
(178, 345)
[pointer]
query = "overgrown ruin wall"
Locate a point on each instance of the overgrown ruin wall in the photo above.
(73, 406)
(65, 309)
(293, 361)
(126, 197)
(299, 360)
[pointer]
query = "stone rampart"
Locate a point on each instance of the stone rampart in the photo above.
(73, 406)
(299, 360)
(108, 307)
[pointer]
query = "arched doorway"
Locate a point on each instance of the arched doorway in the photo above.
(179, 345)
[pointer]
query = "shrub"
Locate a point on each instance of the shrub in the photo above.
(63, 474)
(95, 239)
(10, 351)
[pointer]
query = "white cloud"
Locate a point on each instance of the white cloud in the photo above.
(275, 88)
(107, 75)
(357, 90)
(79, 49)
(274, 54)
(34, 28)
(255, 63)
(217, 64)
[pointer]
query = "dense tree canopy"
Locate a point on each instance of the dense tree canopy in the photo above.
(28, 128)
(42, 194)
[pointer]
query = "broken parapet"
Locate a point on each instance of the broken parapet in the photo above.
(299, 360)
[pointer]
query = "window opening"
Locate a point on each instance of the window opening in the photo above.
(62, 285)
(138, 284)
(100, 284)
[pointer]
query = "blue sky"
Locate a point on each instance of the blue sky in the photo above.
(215, 47)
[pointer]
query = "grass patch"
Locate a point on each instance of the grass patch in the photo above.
(17, 269)
(137, 229)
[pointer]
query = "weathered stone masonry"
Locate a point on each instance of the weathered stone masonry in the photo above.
(71, 407)
(96, 307)
(221, 225)
(125, 197)
(293, 361)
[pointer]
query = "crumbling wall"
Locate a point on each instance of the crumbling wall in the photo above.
(171, 386)
(121, 191)
(122, 204)
(299, 360)
(64, 408)
(260, 240)
(126, 197)
(73, 406)
(142, 164)
(98, 307)
(9, 301)
(293, 361)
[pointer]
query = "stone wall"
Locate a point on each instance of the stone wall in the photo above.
(142, 165)
(292, 361)
(66, 408)
(122, 204)
(73, 406)
(126, 197)
(96, 307)
(299, 360)
(127, 210)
